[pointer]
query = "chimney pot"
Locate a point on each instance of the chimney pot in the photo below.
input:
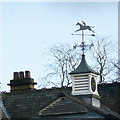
(16, 75)
(21, 74)
(27, 74)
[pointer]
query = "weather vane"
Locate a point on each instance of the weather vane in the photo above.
(82, 28)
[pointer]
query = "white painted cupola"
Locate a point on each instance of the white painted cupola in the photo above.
(84, 83)
(84, 79)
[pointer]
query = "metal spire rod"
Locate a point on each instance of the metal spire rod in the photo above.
(83, 42)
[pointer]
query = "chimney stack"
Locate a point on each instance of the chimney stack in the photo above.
(21, 82)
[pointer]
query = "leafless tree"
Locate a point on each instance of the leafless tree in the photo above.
(101, 54)
(65, 60)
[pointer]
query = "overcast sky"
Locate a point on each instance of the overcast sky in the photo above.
(30, 28)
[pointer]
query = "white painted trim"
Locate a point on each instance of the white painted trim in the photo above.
(96, 91)
(80, 74)
(78, 78)
(82, 83)
(5, 111)
(81, 80)
(82, 93)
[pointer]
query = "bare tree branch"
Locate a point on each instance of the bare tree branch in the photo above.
(101, 52)
(65, 60)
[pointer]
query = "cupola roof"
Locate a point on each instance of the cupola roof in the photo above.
(83, 67)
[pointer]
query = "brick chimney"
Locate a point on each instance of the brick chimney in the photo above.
(21, 81)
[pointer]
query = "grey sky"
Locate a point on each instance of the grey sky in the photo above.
(29, 28)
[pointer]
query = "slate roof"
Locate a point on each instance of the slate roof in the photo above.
(29, 103)
(83, 67)
(63, 105)
(110, 95)
(71, 107)
(25, 104)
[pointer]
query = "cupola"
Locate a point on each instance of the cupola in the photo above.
(84, 79)
(21, 81)
(84, 83)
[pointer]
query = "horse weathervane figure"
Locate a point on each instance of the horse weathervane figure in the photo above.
(84, 27)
